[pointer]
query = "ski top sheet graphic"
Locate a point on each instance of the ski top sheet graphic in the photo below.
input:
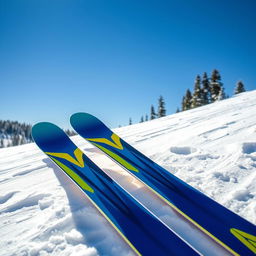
(234, 233)
(141, 230)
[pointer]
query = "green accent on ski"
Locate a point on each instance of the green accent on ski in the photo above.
(74, 176)
(117, 158)
(247, 239)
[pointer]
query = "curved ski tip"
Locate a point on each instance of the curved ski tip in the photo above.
(80, 119)
(45, 134)
(41, 127)
(87, 125)
(80, 116)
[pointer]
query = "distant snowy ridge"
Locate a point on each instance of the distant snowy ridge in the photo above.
(213, 148)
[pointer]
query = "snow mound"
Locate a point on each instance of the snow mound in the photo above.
(249, 148)
(182, 150)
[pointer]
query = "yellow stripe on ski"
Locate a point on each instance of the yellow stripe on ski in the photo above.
(247, 239)
(77, 153)
(116, 143)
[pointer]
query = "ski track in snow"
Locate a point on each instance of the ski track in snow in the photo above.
(213, 148)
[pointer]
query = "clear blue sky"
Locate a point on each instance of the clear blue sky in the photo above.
(114, 58)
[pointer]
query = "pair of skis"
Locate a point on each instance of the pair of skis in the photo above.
(143, 232)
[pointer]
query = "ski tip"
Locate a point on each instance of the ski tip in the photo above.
(81, 117)
(47, 135)
(40, 128)
(85, 123)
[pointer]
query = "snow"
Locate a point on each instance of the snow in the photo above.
(213, 148)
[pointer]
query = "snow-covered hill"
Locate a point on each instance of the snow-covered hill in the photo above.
(213, 148)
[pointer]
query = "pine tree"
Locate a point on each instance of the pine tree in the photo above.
(152, 113)
(161, 107)
(1, 143)
(187, 100)
(197, 99)
(146, 117)
(142, 119)
(221, 95)
(216, 85)
(183, 103)
(130, 121)
(10, 143)
(239, 87)
(177, 110)
(206, 90)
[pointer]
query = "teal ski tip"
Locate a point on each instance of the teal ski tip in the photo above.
(81, 120)
(47, 135)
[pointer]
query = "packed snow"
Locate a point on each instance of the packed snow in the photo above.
(213, 148)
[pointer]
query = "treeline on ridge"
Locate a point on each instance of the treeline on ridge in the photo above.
(206, 90)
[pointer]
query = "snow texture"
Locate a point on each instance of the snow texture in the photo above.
(213, 148)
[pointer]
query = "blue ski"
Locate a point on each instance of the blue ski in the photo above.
(141, 230)
(234, 233)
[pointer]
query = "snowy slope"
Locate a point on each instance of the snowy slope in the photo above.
(213, 148)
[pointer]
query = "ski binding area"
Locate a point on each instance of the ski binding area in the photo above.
(126, 207)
